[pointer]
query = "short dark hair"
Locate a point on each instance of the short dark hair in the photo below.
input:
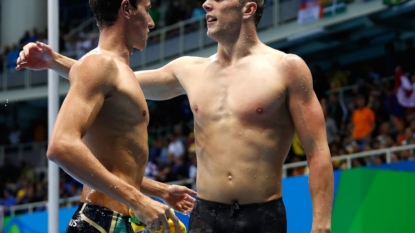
(106, 11)
(259, 11)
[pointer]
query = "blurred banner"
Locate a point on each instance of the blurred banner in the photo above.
(313, 10)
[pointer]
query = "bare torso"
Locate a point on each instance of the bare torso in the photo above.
(243, 127)
(118, 137)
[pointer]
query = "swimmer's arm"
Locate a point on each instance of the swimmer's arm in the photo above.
(153, 188)
(39, 56)
(309, 123)
(79, 110)
(162, 83)
(62, 64)
(177, 197)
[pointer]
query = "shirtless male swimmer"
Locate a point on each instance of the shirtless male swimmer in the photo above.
(248, 100)
(100, 136)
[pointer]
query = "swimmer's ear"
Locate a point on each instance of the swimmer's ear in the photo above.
(249, 10)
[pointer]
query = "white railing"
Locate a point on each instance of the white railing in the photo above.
(348, 158)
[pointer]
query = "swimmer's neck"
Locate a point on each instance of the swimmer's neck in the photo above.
(112, 40)
(231, 49)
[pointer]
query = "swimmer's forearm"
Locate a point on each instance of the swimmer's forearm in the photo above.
(153, 188)
(321, 190)
(62, 64)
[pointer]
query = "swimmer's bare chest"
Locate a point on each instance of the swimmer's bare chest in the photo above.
(119, 132)
(252, 95)
(243, 132)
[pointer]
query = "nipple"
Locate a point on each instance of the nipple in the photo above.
(144, 113)
(259, 110)
(196, 108)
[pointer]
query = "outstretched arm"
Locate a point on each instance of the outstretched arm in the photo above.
(163, 83)
(40, 56)
(159, 84)
(303, 106)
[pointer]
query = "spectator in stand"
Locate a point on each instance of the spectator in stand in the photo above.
(406, 90)
(384, 134)
(154, 151)
(298, 150)
(339, 77)
(14, 136)
(409, 137)
(363, 122)
(155, 14)
(151, 171)
(174, 13)
(25, 38)
(337, 110)
(34, 37)
(412, 126)
(12, 57)
(198, 9)
(180, 169)
(176, 146)
(8, 201)
(331, 127)
(400, 131)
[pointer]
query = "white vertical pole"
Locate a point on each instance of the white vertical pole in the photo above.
(53, 106)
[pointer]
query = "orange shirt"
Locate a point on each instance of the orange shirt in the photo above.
(362, 120)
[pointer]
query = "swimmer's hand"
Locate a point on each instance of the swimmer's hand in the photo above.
(138, 226)
(35, 56)
(179, 198)
(155, 214)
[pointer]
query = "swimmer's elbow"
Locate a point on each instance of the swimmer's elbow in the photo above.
(57, 149)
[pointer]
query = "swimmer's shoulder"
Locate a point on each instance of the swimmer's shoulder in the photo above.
(189, 61)
(94, 66)
(295, 70)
